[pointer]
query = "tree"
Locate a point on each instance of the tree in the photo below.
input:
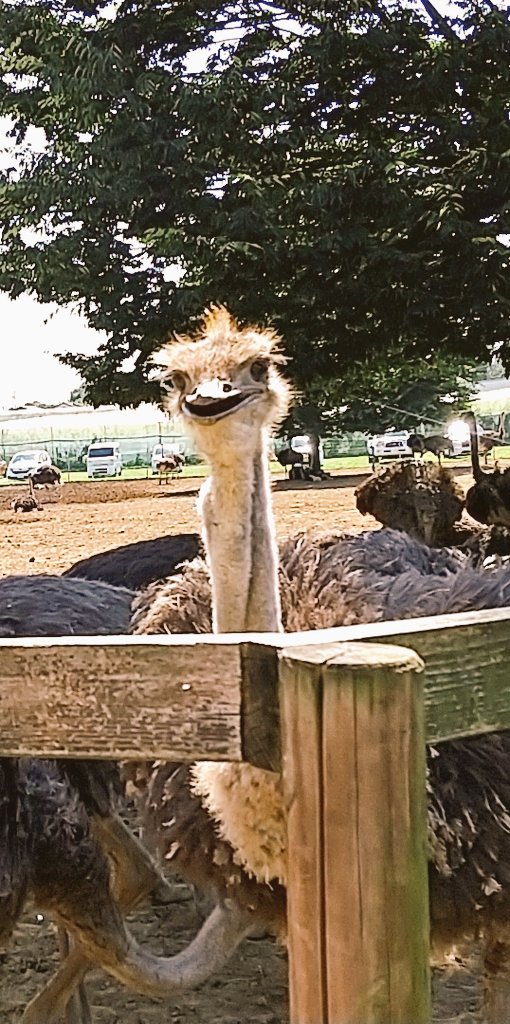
(380, 394)
(339, 170)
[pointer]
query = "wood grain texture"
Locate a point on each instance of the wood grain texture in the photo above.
(300, 695)
(358, 901)
(123, 696)
(120, 700)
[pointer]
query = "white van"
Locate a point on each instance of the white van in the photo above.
(104, 459)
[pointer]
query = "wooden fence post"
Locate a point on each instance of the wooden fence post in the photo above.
(354, 782)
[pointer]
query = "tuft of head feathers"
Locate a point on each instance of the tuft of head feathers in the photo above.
(221, 349)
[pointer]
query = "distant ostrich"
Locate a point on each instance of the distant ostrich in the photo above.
(424, 500)
(288, 457)
(488, 500)
(46, 476)
(170, 465)
(26, 504)
(488, 440)
(436, 444)
(416, 443)
(223, 825)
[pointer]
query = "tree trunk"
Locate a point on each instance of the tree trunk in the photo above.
(315, 458)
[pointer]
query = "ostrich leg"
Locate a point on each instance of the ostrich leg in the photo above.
(58, 999)
(78, 1009)
(497, 981)
(136, 875)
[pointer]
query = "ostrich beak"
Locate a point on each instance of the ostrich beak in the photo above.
(211, 400)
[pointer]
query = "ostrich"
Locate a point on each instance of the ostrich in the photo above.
(488, 500)
(26, 504)
(416, 442)
(488, 440)
(422, 499)
(227, 386)
(223, 825)
(288, 457)
(170, 465)
(136, 565)
(49, 810)
(3, 467)
(425, 501)
(46, 476)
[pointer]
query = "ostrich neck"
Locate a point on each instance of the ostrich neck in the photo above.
(240, 544)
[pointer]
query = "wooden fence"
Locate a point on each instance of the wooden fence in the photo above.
(344, 714)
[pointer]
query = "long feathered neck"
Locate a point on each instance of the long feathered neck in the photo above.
(478, 473)
(240, 542)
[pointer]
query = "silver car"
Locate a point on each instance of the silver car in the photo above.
(23, 464)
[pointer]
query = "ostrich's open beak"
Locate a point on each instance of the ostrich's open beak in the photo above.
(211, 400)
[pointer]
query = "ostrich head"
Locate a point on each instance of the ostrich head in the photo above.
(224, 373)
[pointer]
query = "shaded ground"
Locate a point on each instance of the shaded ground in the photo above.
(91, 518)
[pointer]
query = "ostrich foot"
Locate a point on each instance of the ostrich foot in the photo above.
(136, 874)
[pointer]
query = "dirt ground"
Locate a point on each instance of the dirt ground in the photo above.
(91, 517)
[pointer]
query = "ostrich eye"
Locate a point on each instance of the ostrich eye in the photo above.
(259, 368)
(178, 380)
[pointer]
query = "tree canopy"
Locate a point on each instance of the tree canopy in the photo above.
(339, 170)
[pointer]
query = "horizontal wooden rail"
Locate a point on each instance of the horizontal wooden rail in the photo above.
(216, 697)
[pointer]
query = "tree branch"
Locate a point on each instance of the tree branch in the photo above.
(438, 20)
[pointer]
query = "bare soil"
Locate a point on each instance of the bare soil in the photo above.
(92, 517)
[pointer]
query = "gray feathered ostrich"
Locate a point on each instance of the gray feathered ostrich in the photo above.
(223, 825)
(138, 564)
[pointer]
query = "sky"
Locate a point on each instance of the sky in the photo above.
(31, 335)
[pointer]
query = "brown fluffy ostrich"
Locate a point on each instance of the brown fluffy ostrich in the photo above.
(223, 825)
(425, 501)
(422, 499)
(488, 500)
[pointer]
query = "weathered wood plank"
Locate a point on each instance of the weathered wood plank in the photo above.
(467, 689)
(120, 700)
(260, 712)
(358, 901)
